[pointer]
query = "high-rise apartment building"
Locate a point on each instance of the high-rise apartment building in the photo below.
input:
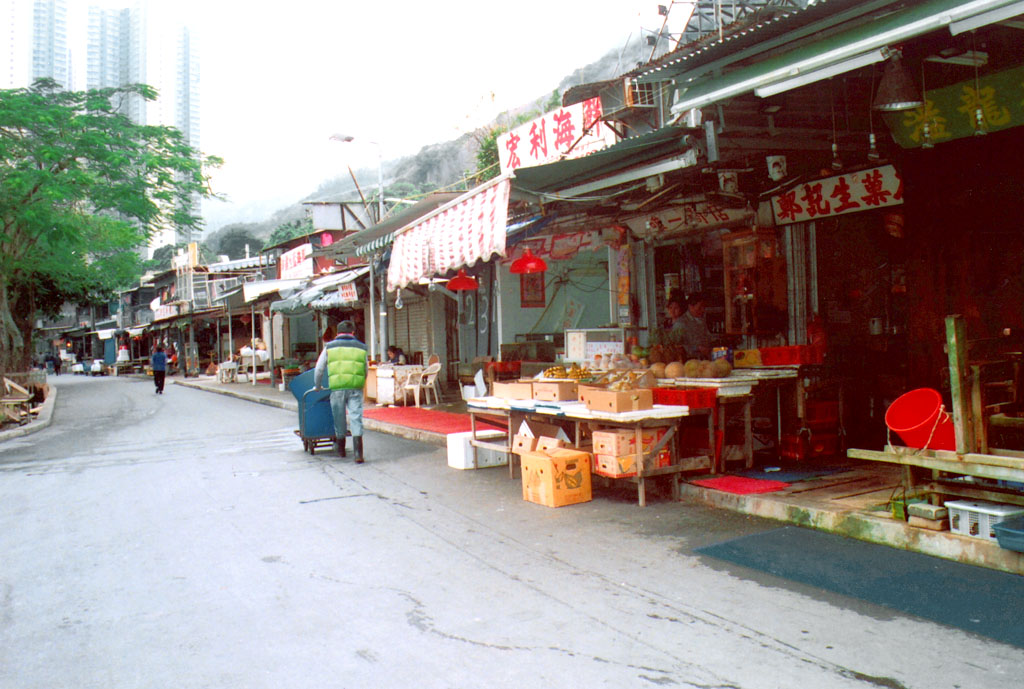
(34, 42)
(146, 43)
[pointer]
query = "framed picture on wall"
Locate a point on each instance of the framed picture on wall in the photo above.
(531, 290)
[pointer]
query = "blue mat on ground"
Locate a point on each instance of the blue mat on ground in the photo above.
(979, 600)
(791, 474)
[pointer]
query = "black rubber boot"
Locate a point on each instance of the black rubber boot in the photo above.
(357, 445)
(339, 443)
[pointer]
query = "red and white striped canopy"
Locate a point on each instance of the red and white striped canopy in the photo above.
(465, 230)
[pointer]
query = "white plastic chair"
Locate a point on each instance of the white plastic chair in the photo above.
(424, 381)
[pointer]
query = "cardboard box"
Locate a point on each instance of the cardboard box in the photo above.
(621, 441)
(523, 443)
(561, 478)
(460, 452)
(583, 391)
(546, 444)
(535, 429)
(518, 390)
(612, 401)
(623, 466)
(554, 390)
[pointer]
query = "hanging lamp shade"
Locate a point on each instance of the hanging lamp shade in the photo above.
(462, 282)
(896, 91)
(528, 263)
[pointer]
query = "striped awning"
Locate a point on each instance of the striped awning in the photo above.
(468, 229)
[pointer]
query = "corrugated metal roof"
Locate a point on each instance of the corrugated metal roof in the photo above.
(766, 30)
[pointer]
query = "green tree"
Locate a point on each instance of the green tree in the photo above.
(162, 257)
(487, 161)
(232, 241)
(290, 230)
(82, 187)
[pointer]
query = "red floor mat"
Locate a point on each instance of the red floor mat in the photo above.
(426, 419)
(741, 485)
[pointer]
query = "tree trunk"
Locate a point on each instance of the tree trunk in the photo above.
(12, 342)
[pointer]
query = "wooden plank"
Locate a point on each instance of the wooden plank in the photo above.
(986, 466)
(956, 346)
(973, 492)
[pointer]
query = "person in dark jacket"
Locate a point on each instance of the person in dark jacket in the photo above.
(343, 362)
(159, 363)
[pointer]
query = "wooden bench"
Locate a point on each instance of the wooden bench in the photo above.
(16, 403)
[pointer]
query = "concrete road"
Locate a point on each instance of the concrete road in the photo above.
(186, 540)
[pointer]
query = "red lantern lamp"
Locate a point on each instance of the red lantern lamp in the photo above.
(528, 263)
(463, 282)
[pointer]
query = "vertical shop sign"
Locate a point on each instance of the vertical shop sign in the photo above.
(622, 286)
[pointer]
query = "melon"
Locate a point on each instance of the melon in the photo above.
(721, 368)
(706, 370)
(658, 369)
(674, 370)
(692, 369)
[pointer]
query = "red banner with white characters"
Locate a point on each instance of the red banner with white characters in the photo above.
(858, 191)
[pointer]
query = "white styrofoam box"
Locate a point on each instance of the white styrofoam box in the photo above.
(460, 452)
(976, 517)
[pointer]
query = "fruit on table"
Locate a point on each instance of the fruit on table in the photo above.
(674, 370)
(658, 369)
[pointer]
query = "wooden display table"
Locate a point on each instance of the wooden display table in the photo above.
(661, 416)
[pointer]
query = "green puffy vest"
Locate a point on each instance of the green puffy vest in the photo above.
(346, 366)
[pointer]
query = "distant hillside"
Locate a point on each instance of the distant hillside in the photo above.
(444, 164)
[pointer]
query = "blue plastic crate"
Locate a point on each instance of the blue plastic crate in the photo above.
(1010, 534)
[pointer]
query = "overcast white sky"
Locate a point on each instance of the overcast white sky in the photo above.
(279, 77)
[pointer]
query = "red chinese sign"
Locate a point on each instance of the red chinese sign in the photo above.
(858, 191)
(569, 132)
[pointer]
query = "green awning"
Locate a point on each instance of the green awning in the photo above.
(822, 50)
(627, 153)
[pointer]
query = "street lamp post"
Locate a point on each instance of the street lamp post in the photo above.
(383, 331)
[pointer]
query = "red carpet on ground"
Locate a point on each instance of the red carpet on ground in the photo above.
(427, 419)
(741, 485)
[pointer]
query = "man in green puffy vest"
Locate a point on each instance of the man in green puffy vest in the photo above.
(343, 360)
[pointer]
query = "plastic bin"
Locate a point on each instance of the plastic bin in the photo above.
(821, 414)
(977, 518)
(695, 398)
(1010, 534)
(793, 355)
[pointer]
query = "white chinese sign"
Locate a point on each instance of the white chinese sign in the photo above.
(165, 311)
(347, 293)
(296, 263)
(569, 132)
(858, 191)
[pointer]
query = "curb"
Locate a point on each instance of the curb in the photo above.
(44, 419)
(369, 424)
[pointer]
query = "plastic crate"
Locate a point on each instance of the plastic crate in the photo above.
(791, 356)
(977, 518)
(821, 414)
(1010, 534)
(695, 398)
(803, 447)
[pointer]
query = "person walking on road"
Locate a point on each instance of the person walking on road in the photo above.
(159, 363)
(343, 361)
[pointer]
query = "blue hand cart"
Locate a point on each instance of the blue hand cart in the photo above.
(316, 423)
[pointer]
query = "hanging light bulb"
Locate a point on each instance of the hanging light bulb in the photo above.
(462, 282)
(979, 122)
(926, 136)
(837, 164)
(528, 263)
(979, 115)
(872, 148)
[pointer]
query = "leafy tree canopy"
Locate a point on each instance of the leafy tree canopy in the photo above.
(232, 240)
(290, 230)
(81, 186)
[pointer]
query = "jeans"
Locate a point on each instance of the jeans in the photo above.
(350, 401)
(158, 380)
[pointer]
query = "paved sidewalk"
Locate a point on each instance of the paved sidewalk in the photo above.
(834, 503)
(263, 393)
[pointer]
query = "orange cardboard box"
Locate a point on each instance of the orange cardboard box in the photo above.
(523, 443)
(622, 441)
(583, 391)
(546, 444)
(613, 401)
(622, 466)
(556, 479)
(554, 390)
(518, 390)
